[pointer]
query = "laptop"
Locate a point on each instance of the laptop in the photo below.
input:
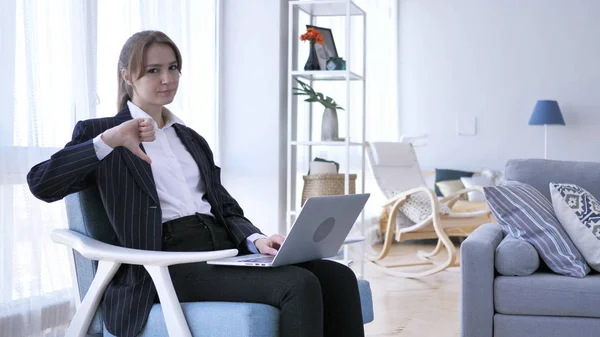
(318, 232)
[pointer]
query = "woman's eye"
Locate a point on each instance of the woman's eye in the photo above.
(173, 67)
(153, 71)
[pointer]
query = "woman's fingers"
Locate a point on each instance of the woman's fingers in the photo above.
(146, 130)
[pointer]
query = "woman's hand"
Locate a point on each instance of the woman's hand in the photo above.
(269, 245)
(130, 134)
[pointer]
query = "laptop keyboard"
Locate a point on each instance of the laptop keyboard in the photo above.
(263, 259)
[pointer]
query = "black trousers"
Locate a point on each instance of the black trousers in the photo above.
(316, 298)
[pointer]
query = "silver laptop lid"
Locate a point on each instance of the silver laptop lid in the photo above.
(321, 227)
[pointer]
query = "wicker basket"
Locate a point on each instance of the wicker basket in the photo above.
(326, 184)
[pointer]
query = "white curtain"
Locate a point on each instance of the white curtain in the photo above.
(65, 55)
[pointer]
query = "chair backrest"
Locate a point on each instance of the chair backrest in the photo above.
(395, 167)
(539, 173)
(87, 215)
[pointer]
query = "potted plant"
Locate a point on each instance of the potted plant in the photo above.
(329, 125)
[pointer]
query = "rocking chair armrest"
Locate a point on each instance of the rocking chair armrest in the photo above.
(406, 194)
(99, 251)
(453, 198)
(461, 193)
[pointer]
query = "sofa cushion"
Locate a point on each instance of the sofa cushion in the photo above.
(544, 326)
(540, 172)
(523, 212)
(548, 294)
(579, 213)
(475, 181)
(446, 174)
(449, 187)
(516, 257)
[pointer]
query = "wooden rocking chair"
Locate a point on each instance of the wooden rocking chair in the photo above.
(399, 176)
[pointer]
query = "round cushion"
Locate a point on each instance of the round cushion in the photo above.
(516, 257)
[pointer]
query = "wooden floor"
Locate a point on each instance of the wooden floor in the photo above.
(414, 307)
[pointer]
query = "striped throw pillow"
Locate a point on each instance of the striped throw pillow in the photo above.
(525, 213)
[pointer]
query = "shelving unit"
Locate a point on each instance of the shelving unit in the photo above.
(347, 11)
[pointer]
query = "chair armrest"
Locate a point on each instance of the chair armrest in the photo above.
(96, 250)
(453, 198)
(477, 273)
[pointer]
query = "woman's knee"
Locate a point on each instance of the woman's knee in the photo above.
(304, 283)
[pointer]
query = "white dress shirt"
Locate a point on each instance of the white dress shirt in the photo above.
(176, 175)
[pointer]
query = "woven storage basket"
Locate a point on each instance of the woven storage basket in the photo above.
(326, 184)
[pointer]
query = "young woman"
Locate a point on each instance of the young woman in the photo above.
(162, 191)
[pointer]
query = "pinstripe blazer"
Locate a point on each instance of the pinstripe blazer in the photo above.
(130, 198)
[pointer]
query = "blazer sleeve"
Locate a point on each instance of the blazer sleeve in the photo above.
(67, 171)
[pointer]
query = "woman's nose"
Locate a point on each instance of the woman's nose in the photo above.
(168, 77)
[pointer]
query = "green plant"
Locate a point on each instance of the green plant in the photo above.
(307, 90)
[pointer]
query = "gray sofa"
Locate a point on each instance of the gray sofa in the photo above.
(542, 304)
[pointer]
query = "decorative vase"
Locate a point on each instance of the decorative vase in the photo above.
(329, 125)
(313, 61)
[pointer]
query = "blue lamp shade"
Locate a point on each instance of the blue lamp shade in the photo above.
(546, 112)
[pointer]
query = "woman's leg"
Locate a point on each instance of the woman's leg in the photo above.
(341, 300)
(294, 290)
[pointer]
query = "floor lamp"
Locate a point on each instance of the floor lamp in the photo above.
(546, 112)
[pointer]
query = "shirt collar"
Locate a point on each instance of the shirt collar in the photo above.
(170, 118)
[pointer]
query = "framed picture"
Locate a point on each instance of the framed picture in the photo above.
(328, 48)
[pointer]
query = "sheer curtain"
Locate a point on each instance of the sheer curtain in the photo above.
(50, 88)
(60, 59)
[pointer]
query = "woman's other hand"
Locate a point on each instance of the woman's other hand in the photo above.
(130, 134)
(269, 245)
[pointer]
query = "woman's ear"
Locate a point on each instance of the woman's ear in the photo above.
(126, 77)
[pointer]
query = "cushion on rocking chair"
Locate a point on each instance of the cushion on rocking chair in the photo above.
(417, 207)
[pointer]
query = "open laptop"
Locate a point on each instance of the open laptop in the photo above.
(318, 232)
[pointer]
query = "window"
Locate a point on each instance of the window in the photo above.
(65, 55)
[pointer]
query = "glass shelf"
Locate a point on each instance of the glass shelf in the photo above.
(326, 143)
(327, 7)
(326, 75)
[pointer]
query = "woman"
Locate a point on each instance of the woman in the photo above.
(162, 191)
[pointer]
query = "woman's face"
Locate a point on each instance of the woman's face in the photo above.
(159, 79)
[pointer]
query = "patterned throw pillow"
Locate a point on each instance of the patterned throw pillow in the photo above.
(579, 213)
(417, 207)
(526, 214)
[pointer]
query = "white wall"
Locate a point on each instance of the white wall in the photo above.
(493, 60)
(253, 118)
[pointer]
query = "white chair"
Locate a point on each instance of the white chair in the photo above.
(399, 176)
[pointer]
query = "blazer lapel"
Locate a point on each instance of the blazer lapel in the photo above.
(140, 169)
(142, 172)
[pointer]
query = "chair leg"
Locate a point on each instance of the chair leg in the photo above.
(387, 241)
(443, 241)
(81, 321)
(427, 256)
(176, 324)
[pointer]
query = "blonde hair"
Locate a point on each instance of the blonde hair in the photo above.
(133, 58)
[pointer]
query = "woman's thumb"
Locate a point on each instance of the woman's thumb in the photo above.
(138, 152)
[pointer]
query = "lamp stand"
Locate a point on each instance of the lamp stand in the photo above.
(545, 141)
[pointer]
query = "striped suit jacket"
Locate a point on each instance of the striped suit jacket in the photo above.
(131, 201)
